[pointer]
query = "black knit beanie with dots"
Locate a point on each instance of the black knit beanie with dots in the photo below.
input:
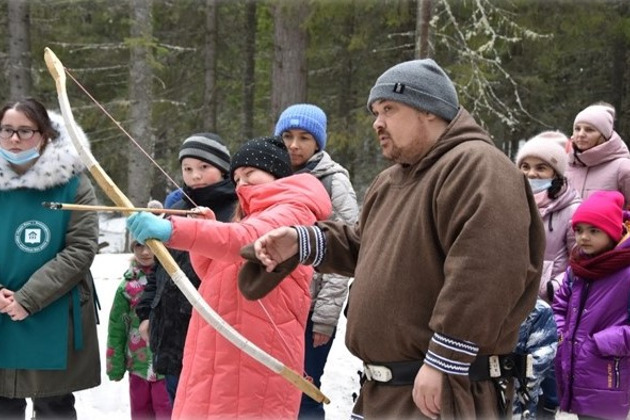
(266, 153)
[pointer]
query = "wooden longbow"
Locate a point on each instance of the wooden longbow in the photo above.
(57, 70)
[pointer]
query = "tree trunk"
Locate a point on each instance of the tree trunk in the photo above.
(140, 169)
(249, 78)
(19, 49)
(620, 73)
(346, 111)
(289, 72)
(209, 107)
(423, 18)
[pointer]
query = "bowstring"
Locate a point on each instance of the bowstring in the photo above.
(129, 136)
(284, 342)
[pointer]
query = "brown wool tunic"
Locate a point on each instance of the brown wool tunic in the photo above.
(452, 245)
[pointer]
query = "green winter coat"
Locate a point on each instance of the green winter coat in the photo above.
(62, 280)
(126, 350)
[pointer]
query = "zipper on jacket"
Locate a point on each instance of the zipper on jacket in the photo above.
(588, 168)
(580, 308)
(617, 375)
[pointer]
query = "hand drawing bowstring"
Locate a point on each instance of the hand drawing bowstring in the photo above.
(58, 72)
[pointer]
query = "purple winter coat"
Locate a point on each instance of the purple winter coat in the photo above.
(593, 359)
(603, 167)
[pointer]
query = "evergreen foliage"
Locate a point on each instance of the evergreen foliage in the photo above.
(521, 67)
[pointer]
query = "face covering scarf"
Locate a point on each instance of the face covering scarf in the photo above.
(539, 185)
(20, 158)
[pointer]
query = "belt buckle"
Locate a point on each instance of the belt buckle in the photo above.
(494, 366)
(377, 373)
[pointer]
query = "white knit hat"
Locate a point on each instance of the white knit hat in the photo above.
(553, 135)
(599, 116)
(546, 148)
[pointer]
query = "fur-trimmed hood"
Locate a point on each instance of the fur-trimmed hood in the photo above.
(58, 163)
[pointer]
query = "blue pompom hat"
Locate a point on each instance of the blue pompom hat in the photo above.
(305, 117)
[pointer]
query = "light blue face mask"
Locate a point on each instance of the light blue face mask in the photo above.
(20, 158)
(539, 185)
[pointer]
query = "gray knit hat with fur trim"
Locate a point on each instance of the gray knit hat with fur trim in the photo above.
(421, 84)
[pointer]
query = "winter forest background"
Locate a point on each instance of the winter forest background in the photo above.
(167, 68)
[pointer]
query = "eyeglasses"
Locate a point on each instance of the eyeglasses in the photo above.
(23, 133)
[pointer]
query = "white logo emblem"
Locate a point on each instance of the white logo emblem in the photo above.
(32, 236)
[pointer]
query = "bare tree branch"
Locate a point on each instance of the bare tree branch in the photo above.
(480, 41)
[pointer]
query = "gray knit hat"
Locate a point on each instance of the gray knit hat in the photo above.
(208, 147)
(421, 84)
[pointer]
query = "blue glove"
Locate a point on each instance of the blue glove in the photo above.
(143, 226)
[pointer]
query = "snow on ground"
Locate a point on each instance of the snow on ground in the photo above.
(110, 400)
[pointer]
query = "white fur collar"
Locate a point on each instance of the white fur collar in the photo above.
(56, 166)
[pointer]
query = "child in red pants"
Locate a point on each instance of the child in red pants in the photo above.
(127, 351)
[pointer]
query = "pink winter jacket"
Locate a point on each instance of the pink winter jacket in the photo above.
(218, 381)
(560, 239)
(604, 167)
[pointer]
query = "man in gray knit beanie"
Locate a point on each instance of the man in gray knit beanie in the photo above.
(446, 257)
(421, 84)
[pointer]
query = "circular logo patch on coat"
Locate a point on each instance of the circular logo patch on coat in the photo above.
(32, 236)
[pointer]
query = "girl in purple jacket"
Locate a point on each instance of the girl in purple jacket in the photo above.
(591, 312)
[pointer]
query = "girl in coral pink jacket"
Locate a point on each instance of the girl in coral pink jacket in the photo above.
(219, 381)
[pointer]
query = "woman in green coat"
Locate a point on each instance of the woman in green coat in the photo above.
(49, 346)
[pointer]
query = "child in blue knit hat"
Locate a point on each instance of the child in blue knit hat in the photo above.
(303, 130)
(305, 120)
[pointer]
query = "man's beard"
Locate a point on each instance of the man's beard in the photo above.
(393, 154)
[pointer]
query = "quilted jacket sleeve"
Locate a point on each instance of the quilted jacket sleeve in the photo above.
(117, 333)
